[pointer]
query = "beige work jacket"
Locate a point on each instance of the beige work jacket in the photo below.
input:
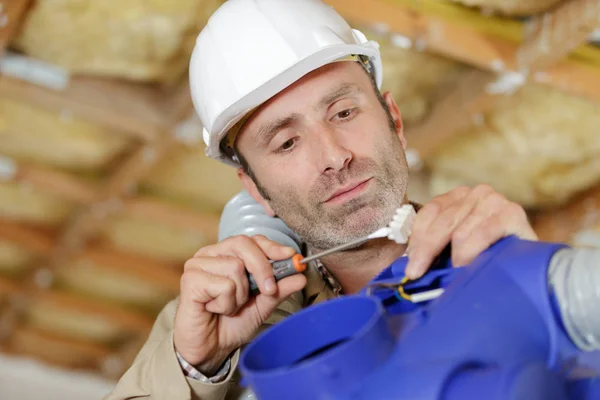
(156, 373)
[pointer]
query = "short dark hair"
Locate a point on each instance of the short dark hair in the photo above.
(248, 171)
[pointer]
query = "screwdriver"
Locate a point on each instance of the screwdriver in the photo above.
(297, 264)
(398, 230)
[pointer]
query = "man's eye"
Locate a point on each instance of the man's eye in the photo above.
(346, 114)
(287, 144)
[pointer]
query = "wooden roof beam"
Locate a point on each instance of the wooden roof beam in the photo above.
(8, 287)
(450, 38)
(492, 50)
(59, 183)
(12, 14)
(58, 350)
(27, 237)
(127, 320)
(560, 224)
(554, 34)
(125, 107)
(122, 184)
(173, 215)
(161, 274)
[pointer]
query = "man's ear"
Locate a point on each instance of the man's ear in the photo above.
(396, 116)
(251, 188)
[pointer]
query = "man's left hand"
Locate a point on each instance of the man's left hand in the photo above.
(471, 219)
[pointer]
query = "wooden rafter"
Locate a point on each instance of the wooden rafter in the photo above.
(29, 238)
(449, 38)
(11, 15)
(150, 270)
(125, 178)
(66, 352)
(554, 34)
(119, 187)
(124, 107)
(8, 287)
(488, 49)
(559, 225)
(59, 183)
(129, 321)
(174, 216)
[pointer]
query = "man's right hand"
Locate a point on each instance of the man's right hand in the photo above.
(215, 314)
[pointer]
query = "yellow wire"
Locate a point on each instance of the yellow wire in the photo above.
(401, 291)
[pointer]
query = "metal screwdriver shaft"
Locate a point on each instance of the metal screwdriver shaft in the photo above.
(335, 249)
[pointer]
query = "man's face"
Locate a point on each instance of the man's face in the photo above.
(326, 156)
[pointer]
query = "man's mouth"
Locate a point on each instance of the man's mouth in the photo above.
(348, 192)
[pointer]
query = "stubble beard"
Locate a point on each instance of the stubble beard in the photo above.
(324, 226)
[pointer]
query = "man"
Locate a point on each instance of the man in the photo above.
(288, 93)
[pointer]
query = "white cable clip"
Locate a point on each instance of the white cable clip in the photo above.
(400, 228)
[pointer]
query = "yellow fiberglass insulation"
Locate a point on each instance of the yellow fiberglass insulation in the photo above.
(539, 147)
(146, 237)
(147, 40)
(58, 139)
(14, 259)
(111, 285)
(411, 75)
(188, 175)
(512, 7)
(25, 203)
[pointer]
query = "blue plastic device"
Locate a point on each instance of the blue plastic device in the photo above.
(495, 333)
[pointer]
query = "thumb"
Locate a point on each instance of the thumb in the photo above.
(266, 304)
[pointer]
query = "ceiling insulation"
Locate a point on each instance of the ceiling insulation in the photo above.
(538, 146)
(512, 7)
(187, 176)
(58, 350)
(145, 40)
(140, 235)
(23, 202)
(15, 259)
(61, 140)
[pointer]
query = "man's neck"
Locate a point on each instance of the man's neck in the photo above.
(353, 269)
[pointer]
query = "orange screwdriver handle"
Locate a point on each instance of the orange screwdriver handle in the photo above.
(281, 269)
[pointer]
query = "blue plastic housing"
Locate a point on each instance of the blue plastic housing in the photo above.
(493, 334)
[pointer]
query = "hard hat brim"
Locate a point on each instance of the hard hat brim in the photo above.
(236, 111)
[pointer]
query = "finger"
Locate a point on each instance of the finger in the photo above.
(495, 214)
(492, 204)
(481, 237)
(429, 212)
(273, 250)
(255, 252)
(227, 266)
(254, 259)
(427, 244)
(215, 293)
(265, 304)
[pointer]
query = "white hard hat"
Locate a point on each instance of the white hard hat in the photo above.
(252, 49)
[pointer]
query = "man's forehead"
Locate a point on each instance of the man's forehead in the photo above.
(321, 81)
(314, 90)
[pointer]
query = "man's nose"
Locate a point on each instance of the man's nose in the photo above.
(332, 154)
